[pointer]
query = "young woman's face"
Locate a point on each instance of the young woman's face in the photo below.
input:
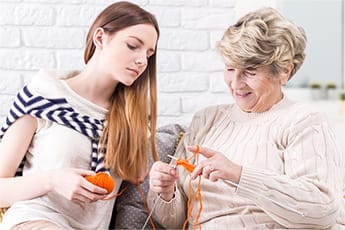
(254, 90)
(125, 54)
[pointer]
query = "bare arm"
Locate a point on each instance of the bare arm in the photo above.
(67, 182)
(12, 150)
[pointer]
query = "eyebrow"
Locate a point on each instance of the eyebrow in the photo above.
(142, 42)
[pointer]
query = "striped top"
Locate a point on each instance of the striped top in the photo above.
(67, 127)
(288, 154)
(60, 111)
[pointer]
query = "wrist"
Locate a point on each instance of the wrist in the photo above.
(167, 196)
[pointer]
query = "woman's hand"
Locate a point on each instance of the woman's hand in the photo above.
(71, 184)
(216, 166)
(162, 179)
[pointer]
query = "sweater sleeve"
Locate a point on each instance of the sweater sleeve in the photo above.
(173, 214)
(310, 191)
(169, 214)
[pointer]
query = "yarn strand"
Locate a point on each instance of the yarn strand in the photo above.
(197, 195)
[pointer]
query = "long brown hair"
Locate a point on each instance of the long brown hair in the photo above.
(131, 120)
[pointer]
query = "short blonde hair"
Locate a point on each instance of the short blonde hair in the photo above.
(264, 38)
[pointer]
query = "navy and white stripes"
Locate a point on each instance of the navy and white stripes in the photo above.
(59, 111)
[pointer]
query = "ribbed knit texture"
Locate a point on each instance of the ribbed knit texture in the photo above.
(288, 154)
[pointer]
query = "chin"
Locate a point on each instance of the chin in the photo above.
(127, 83)
(245, 108)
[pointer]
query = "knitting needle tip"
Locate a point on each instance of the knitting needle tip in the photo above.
(172, 157)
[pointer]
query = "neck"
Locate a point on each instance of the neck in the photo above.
(93, 86)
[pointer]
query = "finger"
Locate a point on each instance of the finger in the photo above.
(206, 152)
(92, 197)
(92, 193)
(162, 183)
(163, 168)
(197, 171)
(203, 168)
(206, 171)
(162, 180)
(214, 176)
(87, 185)
(79, 198)
(84, 172)
(162, 189)
(162, 177)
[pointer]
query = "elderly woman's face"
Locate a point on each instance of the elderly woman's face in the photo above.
(254, 90)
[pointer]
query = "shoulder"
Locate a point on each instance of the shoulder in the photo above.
(306, 112)
(214, 111)
(48, 81)
(208, 116)
(300, 117)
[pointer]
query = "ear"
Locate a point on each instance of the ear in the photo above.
(285, 76)
(98, 38)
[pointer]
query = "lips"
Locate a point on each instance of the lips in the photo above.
(135, 71)
(242, 94)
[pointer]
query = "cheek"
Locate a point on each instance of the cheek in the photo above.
(261, 87)
(227, 79)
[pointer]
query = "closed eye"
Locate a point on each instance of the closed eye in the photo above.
(131, 47)
(250, 73)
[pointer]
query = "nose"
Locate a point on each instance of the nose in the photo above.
(237, 80)
(141, 60)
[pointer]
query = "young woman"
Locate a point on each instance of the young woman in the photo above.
(64, 126)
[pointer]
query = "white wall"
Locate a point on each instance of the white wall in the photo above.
(38, 34)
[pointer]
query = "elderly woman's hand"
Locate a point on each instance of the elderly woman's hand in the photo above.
(162, 179)
(216, 166)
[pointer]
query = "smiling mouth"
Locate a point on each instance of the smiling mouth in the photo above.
(242, 94)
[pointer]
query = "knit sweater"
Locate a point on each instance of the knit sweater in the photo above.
(288, 154)
(57, 146)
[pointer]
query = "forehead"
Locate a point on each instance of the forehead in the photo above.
(144, 32)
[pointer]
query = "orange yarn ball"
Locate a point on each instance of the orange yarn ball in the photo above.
(103, 180)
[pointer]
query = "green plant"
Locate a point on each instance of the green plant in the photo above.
(315, 85)
(342, 96)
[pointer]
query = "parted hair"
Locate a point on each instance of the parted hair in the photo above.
(131, 121)
(264, 38)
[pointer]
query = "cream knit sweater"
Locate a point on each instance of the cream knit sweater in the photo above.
(288, 154)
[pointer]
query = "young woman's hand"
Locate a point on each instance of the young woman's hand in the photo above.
(216, 166)
(71, 184)
(162, 179)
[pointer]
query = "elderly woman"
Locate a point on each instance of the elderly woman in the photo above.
(265, 161)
